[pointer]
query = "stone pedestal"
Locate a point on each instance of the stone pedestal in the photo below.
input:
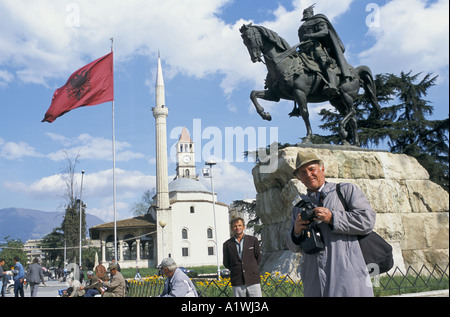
(412, 212)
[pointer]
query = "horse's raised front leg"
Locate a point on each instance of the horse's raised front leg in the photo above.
(266, 95)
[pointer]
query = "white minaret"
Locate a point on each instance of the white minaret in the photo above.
(160, 112)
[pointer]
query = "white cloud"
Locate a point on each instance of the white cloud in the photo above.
(130, 185)
(231, 182)
(5, 77)
(95, 185)
(413, 35)
(14, 151)
(89, 147)
(97, 190)
(47, 188)
(286, 23)
(44, 39)
(85, 145)
(47, 40)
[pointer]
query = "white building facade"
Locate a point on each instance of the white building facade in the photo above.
(193, 233)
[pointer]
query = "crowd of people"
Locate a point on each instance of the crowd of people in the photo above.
(102, 282)
(98, 282)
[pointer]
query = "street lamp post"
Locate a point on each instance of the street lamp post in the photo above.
(162, 223)
(81, 204)
(211, 164)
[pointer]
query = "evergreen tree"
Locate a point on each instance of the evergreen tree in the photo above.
(71, 229)
(53, 246)
(403, 126)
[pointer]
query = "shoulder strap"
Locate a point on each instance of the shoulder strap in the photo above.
(341, 198)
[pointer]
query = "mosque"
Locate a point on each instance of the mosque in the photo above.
(186, 223)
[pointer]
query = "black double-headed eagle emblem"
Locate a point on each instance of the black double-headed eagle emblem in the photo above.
(79, 84)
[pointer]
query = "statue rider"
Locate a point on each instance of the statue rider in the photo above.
(320, 42)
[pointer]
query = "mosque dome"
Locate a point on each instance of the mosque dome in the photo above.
(187, 185)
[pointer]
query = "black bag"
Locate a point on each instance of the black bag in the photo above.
(313, 242)
(374, 248)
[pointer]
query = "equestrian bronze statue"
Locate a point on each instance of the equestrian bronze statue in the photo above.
(313, 71)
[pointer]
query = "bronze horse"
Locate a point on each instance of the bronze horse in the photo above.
(289, 77)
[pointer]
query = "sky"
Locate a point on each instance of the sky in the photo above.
(208, 78)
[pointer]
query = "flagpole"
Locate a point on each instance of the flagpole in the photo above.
(114, 169)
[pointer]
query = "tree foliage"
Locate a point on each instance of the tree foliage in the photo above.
(53, 248)
(11, 249)
(403, 126)
(140, 207)
(248, 207)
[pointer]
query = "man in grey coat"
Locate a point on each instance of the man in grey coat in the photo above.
(177, 283)
(35, 275)
(116, 287)
(339, 269)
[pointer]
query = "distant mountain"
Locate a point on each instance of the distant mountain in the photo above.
(25, 224)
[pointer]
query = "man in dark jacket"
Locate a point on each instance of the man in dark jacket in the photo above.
(242, 255)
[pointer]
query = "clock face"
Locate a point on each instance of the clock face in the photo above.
(186, 159)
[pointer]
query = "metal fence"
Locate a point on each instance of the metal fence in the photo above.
(279, 285)
(413, 280)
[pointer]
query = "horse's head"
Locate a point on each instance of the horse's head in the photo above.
(252, 39)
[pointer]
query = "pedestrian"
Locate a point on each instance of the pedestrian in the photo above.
(337, 269)
(81, 272)
(73, 289)
(177, 283)
(35, 276)
(100, 271)
(3, 280)
(116, 287)
(19, 277)
(242, 255)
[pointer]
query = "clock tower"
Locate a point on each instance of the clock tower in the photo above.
(185, 157)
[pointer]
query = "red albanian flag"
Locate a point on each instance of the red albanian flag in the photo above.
(91, 85)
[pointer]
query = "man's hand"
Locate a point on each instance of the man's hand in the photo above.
(300, 225)
(323, 214)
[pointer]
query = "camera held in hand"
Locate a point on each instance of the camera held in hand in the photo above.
(312, 240)
(307, 210)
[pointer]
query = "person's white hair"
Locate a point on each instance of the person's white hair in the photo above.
(169, 263)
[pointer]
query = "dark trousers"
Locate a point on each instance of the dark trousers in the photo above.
(91, 293)
(18, 289)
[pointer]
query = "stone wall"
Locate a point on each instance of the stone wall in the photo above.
(412, 212)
